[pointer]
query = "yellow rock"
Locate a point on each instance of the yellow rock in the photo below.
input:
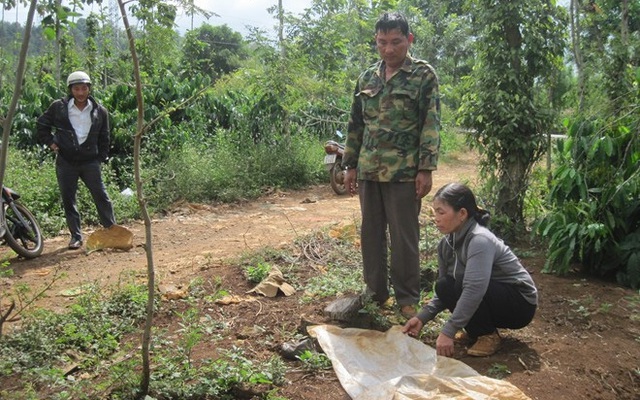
(114, 237)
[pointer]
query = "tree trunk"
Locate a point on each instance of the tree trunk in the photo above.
(513, 178)
(58, 47)
(574, 11)
(624, 24)
(7, 120)
(146, 335)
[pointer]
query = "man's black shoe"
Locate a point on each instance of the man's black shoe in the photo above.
(75, 244)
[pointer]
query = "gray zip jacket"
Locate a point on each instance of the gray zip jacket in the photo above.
(475, 255)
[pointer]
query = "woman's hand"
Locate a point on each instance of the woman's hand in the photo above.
(444, 345)
(412, 327)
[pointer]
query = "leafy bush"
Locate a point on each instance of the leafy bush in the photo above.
(228, 169)
(595, 200)
(38, 189)
(214, 378)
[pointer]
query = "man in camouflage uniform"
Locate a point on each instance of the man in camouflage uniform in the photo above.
(392, 149)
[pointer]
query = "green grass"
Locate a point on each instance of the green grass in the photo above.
(221, 169)
(258, 272)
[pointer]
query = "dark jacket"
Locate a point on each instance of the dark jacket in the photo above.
(54, 127)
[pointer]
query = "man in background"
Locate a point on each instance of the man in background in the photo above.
(76, 128)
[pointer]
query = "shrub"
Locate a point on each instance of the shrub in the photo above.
(229, 168)
(595, 214)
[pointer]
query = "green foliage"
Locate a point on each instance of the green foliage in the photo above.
(341, 262)
(380, 319)
(230, 168)
(452, 143)
(331, 50)
(156, 43)
(608, 39)
(518, 48)
(312, 361)
(93, 330)
(262, 127)
(40, 193)
(257, 273)
(339, 279)
(535, 204)
(444, 37)
(595, 215)
(190, 333)
(498, 371)
(93, 326)
(213, 378)
(212, 51)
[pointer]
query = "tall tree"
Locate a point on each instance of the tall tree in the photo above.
(192, 10)
(618, 23)
(213, 50)
(444, 37)
(146, 335)
(336, 36)
(157, 42)
(7, 120)
(519, 45)
(576, 32)
(605, 36)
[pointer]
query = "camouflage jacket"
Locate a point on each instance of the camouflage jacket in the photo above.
(394, 125)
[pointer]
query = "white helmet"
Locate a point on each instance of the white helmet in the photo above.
(78, 77)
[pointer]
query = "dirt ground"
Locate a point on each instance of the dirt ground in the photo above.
(584, 342)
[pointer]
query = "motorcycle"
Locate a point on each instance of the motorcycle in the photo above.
(333, 162)
(21, 230)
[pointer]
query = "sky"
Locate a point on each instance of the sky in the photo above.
(237, 14)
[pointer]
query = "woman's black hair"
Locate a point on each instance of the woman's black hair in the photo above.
(459, 196)
(389, 21)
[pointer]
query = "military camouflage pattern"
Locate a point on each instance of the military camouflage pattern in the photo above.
(394, 126)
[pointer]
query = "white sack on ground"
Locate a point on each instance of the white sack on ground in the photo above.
(390, 365)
